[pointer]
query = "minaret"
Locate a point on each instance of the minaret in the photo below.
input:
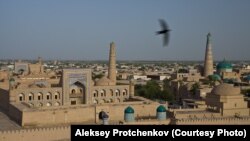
(208, 64)
(112, 63)
(40, 60)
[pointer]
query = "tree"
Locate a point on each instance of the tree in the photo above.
(166, 84)
(195, 87)
(182, 71)
(94, 76)
(153, 91)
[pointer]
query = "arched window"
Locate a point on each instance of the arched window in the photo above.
(81, 91)
(124, 92)
(95, 93)
(102, 93)
(39, 96)
(31, 97)
(117, 93)
(73, 91)
(48, 96)
(21, 97)
(57, 95)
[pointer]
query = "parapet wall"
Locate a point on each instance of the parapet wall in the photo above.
(215, 121)
(44, 117)
(79, 114)
(36, 134)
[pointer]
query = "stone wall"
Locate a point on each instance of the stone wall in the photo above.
(79, 114)
(214, 121)
(116, 111)
(37, 134)
(55, 116)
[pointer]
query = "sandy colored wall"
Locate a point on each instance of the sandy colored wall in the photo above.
(149, 122)
(58, 116)
(80, 114)
(116, 112)
(215, 121)
(37, 134)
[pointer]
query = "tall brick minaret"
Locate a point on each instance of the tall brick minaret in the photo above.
(112, 63)
(208, 62)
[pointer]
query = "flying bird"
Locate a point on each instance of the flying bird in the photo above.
(165, 31)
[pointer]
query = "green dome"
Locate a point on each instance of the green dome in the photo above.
(129, 110)
(161, 109)
(224, 65)
(215, 77)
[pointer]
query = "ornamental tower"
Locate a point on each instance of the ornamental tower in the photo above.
(208, 64)
(112, 63)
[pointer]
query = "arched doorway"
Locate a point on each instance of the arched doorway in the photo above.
(102, 115)
(78, 92)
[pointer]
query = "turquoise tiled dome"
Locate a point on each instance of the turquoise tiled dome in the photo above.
(224, 65)
(129, 110)
(161, 109)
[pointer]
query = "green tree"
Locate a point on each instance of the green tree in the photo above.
(94, 76)
(153, 91)
(195, 87)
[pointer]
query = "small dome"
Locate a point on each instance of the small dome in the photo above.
(224, 65)
(129, 110)
(161, 109)
(225, 89)
(215, 77)
(104, 81)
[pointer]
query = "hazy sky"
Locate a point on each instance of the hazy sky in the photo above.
(83, 29)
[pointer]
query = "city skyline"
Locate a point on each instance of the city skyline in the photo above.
(82, 30)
